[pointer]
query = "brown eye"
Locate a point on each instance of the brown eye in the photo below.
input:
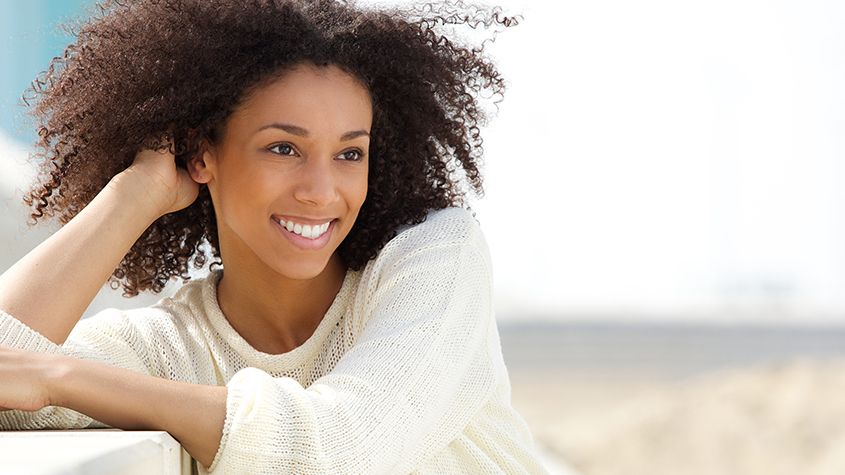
(352, 155)
(284, 149)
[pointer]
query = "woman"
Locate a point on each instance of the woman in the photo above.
(313, 147)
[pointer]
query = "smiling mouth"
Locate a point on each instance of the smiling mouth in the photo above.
(309, 231)
(307, 243)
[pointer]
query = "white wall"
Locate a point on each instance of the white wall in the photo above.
(670, 160)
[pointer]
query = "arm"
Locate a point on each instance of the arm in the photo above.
(88, 248)
(110, 337)
(192, 413)
(46, 304)
(91, 245)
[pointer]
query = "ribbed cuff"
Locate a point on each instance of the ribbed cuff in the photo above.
(241, 387)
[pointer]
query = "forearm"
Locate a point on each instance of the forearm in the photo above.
(50, 287)
(191, 413)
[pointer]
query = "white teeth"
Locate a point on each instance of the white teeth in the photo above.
(308, 231)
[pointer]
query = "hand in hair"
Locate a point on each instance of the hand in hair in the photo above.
(154, 176)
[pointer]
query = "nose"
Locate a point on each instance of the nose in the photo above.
(316, 183)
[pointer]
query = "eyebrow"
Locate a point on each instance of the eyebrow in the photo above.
(297, 130)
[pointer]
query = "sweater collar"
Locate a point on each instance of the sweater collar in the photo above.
(298, 356)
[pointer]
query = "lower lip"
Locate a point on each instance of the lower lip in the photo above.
(303, 242)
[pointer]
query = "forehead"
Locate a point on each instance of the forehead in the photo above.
(319, 97)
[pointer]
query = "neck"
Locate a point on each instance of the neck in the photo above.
(272, 312)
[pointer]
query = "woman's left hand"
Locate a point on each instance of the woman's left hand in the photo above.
(25, 378)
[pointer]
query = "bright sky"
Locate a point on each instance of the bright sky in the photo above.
(669, 159)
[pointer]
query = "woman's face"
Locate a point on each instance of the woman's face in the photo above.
(294, 155)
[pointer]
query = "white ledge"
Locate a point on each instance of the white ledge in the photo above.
(92, 452)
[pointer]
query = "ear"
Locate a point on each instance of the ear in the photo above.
(200, 166)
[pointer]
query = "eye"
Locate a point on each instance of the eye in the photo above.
(283, 148)
(354, 155)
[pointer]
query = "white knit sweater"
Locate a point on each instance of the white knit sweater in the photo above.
(404, 374)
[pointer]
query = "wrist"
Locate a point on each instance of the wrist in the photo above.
(129, 189)
(55, 372)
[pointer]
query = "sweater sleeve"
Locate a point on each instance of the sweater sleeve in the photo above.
(107, 337)
(413, 380)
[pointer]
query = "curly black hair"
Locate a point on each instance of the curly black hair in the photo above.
(139, 68)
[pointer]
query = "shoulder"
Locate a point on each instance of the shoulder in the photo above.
(186, 311)
(445, 234)
(140, 328)
(191, 291)
(166, 318)
(453, 226)
(166, 336)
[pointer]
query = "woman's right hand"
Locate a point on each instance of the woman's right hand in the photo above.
(154, 179)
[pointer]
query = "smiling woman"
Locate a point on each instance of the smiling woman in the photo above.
(348, 324)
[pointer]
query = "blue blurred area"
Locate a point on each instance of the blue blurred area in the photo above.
(31, 38)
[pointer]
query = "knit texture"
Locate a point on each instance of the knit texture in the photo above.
(404, 374)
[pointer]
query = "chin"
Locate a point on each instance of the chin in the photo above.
(305, 269)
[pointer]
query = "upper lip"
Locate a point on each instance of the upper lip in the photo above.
(300, 220)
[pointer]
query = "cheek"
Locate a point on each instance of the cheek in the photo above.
(363, 184)
(242, 191)
(359, 194)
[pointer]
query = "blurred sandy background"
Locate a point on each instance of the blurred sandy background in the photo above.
(657, 399)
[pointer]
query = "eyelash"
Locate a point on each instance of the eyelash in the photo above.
(360, 153)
